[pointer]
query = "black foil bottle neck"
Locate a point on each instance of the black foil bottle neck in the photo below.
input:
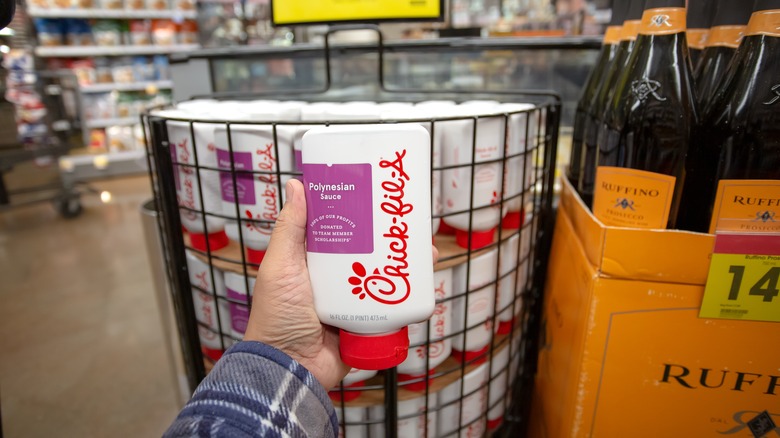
(701, 12)
(655, 4)
(766, 5)
(732, 13)
(635, 9)
(619, 12)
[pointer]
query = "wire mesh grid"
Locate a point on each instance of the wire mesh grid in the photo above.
(474, 358)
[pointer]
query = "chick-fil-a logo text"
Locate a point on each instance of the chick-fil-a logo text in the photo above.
(267, 162)
(186, 199)
(390, 284)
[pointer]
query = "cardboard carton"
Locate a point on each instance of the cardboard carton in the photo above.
(624, 352)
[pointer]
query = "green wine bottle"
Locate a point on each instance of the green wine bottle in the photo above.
(647, 126)
(603, 61)
(602, 96)
(733, 170)
(726, 32)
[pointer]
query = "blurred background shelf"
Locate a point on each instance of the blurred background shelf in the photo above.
(88, 51)
(110, 13)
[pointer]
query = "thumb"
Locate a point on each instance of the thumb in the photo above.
(289, 235)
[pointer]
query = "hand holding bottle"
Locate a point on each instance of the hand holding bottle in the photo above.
(283, 308)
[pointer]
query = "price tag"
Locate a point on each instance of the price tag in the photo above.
(744, 278)
(286, 12)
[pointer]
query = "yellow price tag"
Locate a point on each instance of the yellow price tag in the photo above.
(744, 278)
(286, 12)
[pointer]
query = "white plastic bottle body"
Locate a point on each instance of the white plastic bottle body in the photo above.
(440, 322)
(236, 289)
(356, 375)
(192, 184)
(200, 275)
(459, 150)
(474, 400)
(518, 172)
(406, 112)
(368, 226)
(259, 195)
(500, 385)
(350, 421)
(480, 301)
(412, 421)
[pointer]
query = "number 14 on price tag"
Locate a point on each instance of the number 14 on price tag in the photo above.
(744, 278)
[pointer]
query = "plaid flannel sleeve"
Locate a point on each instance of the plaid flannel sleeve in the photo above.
(257, 391)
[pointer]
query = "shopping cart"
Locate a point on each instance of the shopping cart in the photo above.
(45, 128)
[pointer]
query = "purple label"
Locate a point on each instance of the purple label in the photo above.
(246, 186)
(239, 314)
(339, 206)
(298, 160)
(176, 177)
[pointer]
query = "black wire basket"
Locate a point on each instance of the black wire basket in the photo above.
(495, 286)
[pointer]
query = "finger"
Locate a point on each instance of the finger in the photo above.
(289, 235)
(435, 254)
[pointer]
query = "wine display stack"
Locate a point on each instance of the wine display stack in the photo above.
(660, 147)
(676, 196)
(219, 173)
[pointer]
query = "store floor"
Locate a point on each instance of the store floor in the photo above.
(81, 349)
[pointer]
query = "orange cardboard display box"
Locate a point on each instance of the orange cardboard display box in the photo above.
(624, 352)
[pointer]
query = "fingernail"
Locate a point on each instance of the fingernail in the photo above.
(288, 192)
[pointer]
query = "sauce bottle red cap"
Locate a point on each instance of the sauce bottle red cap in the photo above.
(374, 352)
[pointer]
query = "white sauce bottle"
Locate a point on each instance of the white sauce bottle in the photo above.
(518, 172)
(236, 287)
(368, 236)
(193, 184)
(483, 212)
(439, 349)
(259, 195)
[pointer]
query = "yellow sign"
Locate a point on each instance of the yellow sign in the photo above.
(744, 278)
(330, 11)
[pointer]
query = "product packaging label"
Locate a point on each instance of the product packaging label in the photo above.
(340, 208)
(176, 176)
(764, 23)
(612, 35)
(697, 38)
(630, 30)
(239, 313)
(747, 206)
(663, 21)
(743, 278)
(632, 198)
(244, 181)
(726, 36)
(298, 159)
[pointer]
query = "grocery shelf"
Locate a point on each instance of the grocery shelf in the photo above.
(105, 123)
(132, 86)
(110, 13)
(88, 51)
(92, 166)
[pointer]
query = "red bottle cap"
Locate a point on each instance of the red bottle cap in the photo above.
(493, 424)
(479, 239)
(505, 327)
(468, 356)
(216, 240)
(348, 396)
(211, 353)
(445, 229)
(513, 220)
(374, 352)
(416, 386)
(255, 255)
